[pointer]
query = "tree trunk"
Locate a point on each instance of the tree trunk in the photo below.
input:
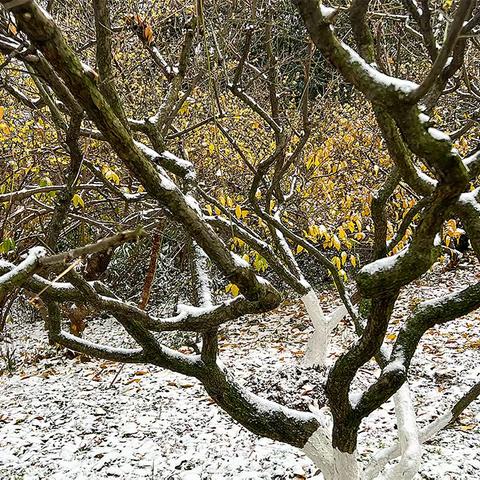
(152, 267)
(333, 464)
(317, 347)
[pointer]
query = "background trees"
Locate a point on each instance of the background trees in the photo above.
(228, 123)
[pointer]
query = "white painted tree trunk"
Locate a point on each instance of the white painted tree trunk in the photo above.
(410, 447)
(336, 317)
(382, 457)
(345, 466)
(319, 450)
(317, 346)
(333, 464)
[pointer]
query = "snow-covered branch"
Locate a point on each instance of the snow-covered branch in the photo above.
(169, 162)
(86, 347)
(19, 274)
(454, 30)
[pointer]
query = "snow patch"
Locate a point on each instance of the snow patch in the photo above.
(327, 12)
(383, 264)
(438, 135)
(424, 118)
(397, 364)
(470, 199)
(192, 203)
(239, 261)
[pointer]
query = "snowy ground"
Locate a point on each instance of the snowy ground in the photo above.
(77, 419)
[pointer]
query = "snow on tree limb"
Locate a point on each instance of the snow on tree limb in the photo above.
(19, 274)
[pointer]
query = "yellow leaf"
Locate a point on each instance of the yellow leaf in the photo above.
(211, 148)
(336, 261)
(344, 257)
(4, 128)
(336, 242)
(238, 241)
(260, 263)
(112, 176)
(2, 112)
(238, 212)
(209, 209)
(447, 4)
(391, 336)
(234, 290)
(299, 249)
(451, 223)
(353, 260)
(78, 200)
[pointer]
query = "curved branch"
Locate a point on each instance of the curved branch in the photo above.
(463, 10)
(86, 347)
(429, 314)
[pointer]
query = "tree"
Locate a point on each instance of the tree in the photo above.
(84, 103)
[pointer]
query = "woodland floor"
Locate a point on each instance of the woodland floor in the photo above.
(78, 419)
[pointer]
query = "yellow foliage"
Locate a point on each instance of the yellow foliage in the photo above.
(78, 200)
(233, 289)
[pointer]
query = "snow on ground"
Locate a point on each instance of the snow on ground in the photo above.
(78, 419)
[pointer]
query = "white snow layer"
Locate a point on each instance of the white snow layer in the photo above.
(383, 264)
(438, 135)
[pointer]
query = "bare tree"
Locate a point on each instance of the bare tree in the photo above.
(84, 102)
